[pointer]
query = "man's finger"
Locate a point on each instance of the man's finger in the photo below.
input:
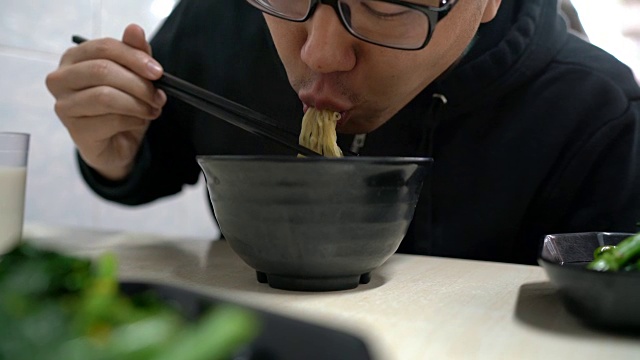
(92, 73)
(103, 100)
(136, 60)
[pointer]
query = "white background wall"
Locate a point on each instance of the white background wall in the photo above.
(33, 35)
(613, 25)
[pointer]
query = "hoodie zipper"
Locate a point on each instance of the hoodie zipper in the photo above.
(425, 147)
(424, 235)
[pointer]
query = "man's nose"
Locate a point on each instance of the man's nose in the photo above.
(328, 47)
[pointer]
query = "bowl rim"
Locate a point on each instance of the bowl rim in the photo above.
(584, 271)
(345, 159)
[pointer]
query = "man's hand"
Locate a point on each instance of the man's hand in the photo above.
(105, 99)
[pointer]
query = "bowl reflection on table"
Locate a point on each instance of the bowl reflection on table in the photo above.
(314, 224)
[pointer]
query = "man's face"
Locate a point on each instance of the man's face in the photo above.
(330, 69)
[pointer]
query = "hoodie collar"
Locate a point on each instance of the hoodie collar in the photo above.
(511, 49)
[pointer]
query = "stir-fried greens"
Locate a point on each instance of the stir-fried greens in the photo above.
(54, 306)
(622, 257)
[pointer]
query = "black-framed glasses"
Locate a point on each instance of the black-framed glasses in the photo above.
(394, 24)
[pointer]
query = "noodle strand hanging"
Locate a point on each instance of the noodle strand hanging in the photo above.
(319, 132)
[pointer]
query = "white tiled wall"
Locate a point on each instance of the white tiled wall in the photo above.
(33, 35)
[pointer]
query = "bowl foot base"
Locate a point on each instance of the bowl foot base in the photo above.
(313, 284)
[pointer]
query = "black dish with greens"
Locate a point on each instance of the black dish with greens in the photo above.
(602, 291)
(54, 306)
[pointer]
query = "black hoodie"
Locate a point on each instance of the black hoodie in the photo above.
(533, 132)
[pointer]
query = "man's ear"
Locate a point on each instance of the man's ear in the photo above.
(490, 10)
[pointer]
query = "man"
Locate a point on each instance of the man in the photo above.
(533, 130)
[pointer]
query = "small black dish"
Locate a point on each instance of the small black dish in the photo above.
(280, 337)
(606, 300)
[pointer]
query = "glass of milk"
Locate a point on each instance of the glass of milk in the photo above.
(14, 150)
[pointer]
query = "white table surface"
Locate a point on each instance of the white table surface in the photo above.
(415, 307)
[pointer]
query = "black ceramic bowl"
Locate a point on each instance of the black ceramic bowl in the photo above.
(607, 300)
(314, 224)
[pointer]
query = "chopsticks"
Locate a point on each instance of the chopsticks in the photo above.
(226, 110)
(229, 111)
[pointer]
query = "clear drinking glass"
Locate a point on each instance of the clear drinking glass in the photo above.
(14, 151)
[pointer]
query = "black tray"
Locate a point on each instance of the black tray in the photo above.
(608, 300)
(281, 338)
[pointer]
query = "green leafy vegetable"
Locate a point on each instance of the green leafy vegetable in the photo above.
(54, 306)
(623, 257)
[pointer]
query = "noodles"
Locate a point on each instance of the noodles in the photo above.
(319, 132)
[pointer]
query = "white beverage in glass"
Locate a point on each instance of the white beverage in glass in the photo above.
(12, 190)
(14, 148)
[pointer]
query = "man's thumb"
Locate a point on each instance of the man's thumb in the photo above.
(134, 36)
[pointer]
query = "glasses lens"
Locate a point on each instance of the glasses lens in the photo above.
(288, 9)
(385, 23)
